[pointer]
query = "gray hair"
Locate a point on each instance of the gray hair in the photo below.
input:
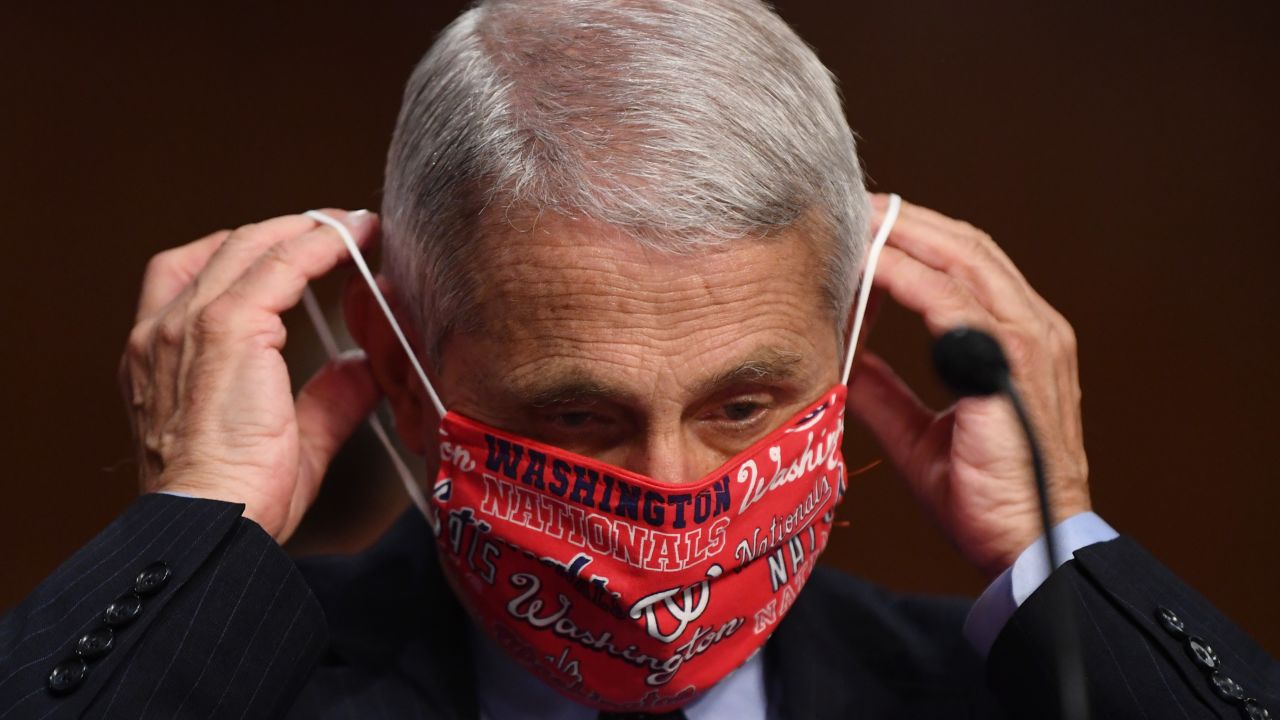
(683, 123)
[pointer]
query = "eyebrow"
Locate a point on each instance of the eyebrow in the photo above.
(573, 386)
(765, 365)
(578, 386)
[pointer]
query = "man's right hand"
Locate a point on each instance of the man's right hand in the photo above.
(207, 388)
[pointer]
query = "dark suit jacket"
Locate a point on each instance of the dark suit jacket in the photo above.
(241, 630)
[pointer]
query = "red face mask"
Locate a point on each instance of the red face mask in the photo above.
(625, 593)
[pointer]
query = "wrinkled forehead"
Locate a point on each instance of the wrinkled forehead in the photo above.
(578, 293)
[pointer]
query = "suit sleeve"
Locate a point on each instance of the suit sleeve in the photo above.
(179, 608)
(1152, 646)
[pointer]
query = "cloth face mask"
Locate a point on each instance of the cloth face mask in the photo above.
(623, 592)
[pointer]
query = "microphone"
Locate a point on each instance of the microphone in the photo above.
(971, 363)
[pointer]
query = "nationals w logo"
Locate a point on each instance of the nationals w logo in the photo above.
(692, 603)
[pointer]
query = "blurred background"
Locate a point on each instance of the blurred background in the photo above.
(1122, 153)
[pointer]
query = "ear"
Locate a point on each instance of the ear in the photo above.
(415, 416)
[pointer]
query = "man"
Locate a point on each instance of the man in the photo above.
(626, 236)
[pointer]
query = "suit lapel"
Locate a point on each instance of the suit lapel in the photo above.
(802, 684)
(391, 607)
(849, 650)
(838, 653)
(438, 659)
(440, 662)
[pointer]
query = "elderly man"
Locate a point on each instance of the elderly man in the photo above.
(625, 240)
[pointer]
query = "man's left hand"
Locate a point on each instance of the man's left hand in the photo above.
(969, 465)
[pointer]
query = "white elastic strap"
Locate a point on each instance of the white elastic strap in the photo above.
(869, 273)
(382, 302)
(330, 345)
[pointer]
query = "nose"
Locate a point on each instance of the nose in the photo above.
(670, 456)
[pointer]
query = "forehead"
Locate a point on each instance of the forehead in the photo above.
(560, 269)
(584, 298)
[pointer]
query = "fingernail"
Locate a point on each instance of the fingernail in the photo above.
(353, 354)
(358, 218)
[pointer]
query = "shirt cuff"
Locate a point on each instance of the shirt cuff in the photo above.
(1006, 594)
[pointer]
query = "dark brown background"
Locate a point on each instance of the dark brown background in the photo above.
(1125, 158)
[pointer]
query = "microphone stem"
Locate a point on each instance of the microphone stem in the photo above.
(1073, 700)
(1037, 465)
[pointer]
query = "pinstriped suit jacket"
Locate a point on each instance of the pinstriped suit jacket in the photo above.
(242, 631)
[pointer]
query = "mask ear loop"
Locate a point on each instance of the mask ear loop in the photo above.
(327, 340)
(868, 274)
(316, 315)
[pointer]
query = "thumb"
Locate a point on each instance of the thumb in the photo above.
(888, 408)
(329, 407)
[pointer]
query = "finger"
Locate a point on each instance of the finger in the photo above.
(939, 298)
(243, 248)
(1048, 322)
(947, 224)
(251, 306)
(132, 395)
(165, 356)
(880, 203)
(169, 272)
(944, 303)
(969, 255)
(329, 408)
(943, 223)
(149, 402)
(889, 409)
(275, 281)
(135, 364)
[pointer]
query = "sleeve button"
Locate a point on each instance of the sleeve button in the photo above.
(1254, 711)
(123, 611)
(67, 675)
(95, 643)
(152, 578)
(1227, 688)
(1171, 623)
(1202, 654)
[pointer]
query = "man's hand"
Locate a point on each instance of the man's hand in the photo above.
(969, 464)
(207, 387)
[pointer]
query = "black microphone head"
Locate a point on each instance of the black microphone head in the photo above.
(970, 362)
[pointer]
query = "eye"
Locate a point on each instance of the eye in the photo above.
(581, 430)
(742, 411)
(732, 422)
(576, 420)
(573, 419)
